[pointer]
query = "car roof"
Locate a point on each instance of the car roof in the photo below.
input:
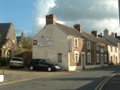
(18, 57)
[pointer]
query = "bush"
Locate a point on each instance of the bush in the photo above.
(3, 61)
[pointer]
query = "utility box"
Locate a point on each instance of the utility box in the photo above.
(1, 78)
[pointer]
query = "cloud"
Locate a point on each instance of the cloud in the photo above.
(85, 9)
(92, 14)
(42, 9)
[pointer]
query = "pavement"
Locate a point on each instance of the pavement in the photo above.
(18, 75)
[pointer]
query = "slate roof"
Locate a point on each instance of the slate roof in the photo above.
(71, 31)
(68, 30)
(114, 41)
(4, 29)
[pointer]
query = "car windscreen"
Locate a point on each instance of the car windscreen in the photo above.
(48, 61)
(17, 59)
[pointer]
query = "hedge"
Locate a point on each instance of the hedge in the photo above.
(3, 61)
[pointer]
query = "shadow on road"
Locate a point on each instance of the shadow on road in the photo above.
(94, 81)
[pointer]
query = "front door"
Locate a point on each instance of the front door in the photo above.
(83, 61)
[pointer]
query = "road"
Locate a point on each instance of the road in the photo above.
(80, 80)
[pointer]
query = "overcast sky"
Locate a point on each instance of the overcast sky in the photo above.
(91, 14)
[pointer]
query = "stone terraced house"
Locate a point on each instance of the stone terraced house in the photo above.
(70, 47)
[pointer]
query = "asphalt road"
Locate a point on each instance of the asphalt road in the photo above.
(81, 80)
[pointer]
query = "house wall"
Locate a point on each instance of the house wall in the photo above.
(58, 44)
(73, 64)
(113, 55)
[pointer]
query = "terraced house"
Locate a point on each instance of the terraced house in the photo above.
(70, 47)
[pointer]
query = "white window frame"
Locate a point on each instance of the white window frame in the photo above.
(97, 46)
(76, 44)
(59, 56)
(88, 45)
(98, 58)
(89, 58)
(76, 56)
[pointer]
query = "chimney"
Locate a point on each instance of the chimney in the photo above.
(106, 33)
(50, 19)
(100, 35)
(115, 35)
(77, 27)
(94, 33)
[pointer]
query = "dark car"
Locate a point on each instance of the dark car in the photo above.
(41, 64)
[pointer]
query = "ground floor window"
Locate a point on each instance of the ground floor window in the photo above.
(101, 59)
(98, 59)
(105, 59)
(89, 58)
(59, 57)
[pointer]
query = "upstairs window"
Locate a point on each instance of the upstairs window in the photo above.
(76, 42)
(88, 45)
(97, 46)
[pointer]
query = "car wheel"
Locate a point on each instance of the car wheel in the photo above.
(49, 69)
(31, 68)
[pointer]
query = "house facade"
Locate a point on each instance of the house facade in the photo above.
(69, 47)
(7, 40)
(59, 44)
(113, 48)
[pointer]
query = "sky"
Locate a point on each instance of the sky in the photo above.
(29, 15)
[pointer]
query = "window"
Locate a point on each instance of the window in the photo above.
(76, 56)
(88, 45)
(34, 42)
(59, 57)
(97, 46)
(116, 58)
(105, 59)
(75, 42)
(98, 58)
(111, 49)
(116, 49)
(89, 58)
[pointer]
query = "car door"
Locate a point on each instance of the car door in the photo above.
(43, 65)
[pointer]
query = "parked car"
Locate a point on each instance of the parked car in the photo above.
(16, 62)
(41, 64)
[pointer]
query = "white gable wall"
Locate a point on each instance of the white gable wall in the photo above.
(58, 44)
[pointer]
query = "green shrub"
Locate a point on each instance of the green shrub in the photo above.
(3, 61)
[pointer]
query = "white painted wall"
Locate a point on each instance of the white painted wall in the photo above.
(59, 44)
(113, 54)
